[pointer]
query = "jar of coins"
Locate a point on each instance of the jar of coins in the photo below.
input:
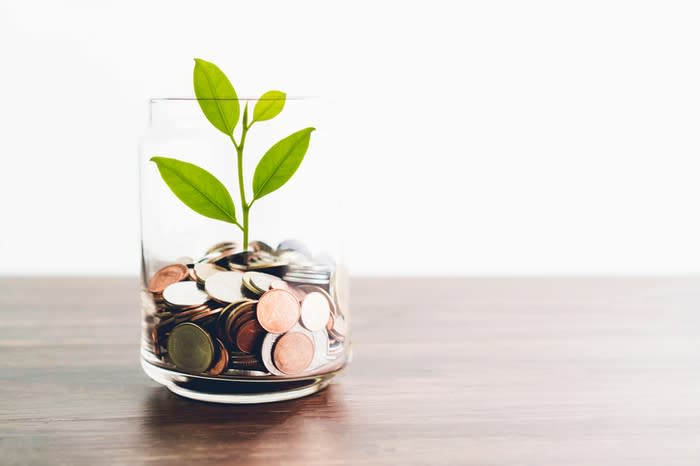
(244, 295)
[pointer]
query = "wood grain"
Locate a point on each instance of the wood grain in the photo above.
(536, 371)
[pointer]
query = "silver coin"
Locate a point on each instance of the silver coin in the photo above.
(257, 246)
(317, 289)
(266, 353)
(223, 246)
(335, 347)
(225, 286)
(312, 275)
(292, 257)
(310, 267)
(245, 372)
(294, 245)
(258, 281)
(315, 310)
(320, 340)
(204, 270)
(301, 281)
(339, 328)
(248, 260)
(184, 294)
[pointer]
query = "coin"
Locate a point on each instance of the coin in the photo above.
(220, 327)
(317, 289)
(190, 347)
(189, 312)
(219, 253)
(204, 270)
(240, 359)
(224, 286)
(266, 353)
(245, 307)
(249, 336)
(292, 257)
(222, 361)
(304, 280)
(155, 340)
(184, 294)
(282, 285)
(320, 358)
(335, 347)
(223, 246)
(293, 353)
(206, 317)
(256, 246)
(168, 275)
(294, 302)
(293, 245)
(241, 318)
(245, 364)
(255, 260)
(258, 282)
(277, 311)
(315, 311)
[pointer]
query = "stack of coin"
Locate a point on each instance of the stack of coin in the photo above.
(256, 312)
(307, 273)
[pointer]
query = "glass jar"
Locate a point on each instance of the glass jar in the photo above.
(229, 324)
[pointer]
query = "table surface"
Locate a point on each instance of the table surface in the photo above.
(510, 371)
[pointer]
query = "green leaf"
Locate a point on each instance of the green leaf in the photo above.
(280, 162)
(216, 96)
(269, 105)
(197, 188)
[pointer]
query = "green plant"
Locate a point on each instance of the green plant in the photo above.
(203, 192)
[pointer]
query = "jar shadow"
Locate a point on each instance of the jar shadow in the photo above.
(179, 427)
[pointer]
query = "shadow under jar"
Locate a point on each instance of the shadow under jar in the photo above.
(233, 324)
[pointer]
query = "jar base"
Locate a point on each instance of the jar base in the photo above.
(235, 391)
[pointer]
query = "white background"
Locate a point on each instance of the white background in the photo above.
(479, 138)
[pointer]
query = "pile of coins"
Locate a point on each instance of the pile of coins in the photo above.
(256, 312)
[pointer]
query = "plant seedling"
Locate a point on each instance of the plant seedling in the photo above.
(203, 192)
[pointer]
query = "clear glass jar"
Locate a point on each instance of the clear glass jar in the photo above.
(229, 325)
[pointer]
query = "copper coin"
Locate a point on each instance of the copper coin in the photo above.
(249, 336)
(242, 308)
(166, 276)
(282, 285)
(221, 363)
(293, 353)
(329, 324)
(278, 311)
(240, 319)
(155, 340)
(223, 316)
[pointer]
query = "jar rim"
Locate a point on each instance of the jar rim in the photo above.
(156, 100)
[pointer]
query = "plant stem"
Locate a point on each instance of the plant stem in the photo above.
(241, 187)
(245, 227)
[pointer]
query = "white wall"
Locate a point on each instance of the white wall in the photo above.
(480, 138)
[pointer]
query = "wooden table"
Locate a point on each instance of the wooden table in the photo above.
(522, 371)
